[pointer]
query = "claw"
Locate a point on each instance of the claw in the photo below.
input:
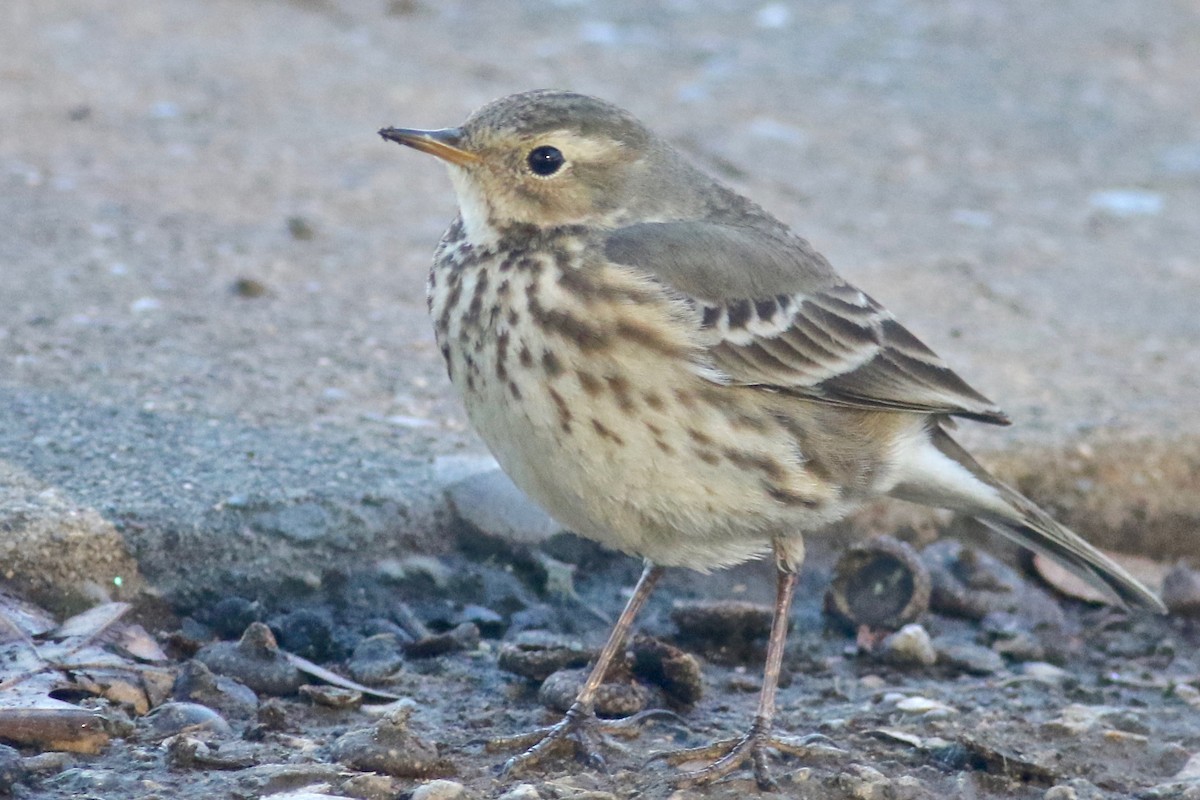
(728, 755)
(580, 731)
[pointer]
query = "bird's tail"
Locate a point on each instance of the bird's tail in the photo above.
(941, 473)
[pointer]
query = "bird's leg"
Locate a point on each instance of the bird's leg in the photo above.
(579, 728)
(730, 754)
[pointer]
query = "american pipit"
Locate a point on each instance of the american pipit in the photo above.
(667, 369)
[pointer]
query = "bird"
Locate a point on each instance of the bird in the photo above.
(669, 370)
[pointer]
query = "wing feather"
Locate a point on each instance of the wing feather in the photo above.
(777, 316)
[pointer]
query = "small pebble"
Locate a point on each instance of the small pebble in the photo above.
(910, 645)
(332, 696)
(172, 718)
(1181, 591)
(248, 287)
(272, 715)
(537, 655)
(12, 769)
(376, 659)
(872, 682)
(389, 747)
(369, 786)
(924, 706)
(729, 631)
(1060, 793)
(676, 672)
(865, 783)
(196, 683)
(439, 790)
(229, 616)
(1012, 637)
(461, 637)
(613, 700)
(970, 658)
(970, 583)
(300, 228)
(523, 791)
(254, 660)
(489, 503)
(1045, 673)
(308, 633)
(490, 624)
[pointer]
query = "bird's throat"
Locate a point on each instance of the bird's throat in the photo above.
(474, 208)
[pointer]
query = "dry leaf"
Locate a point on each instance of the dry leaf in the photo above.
(1146, 570)
(37, 659)
(308, 667)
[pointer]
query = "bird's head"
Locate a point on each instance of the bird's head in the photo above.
(551, 158)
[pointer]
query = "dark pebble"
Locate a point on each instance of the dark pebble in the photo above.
(308, 633)
(970, 658)
(1012, 637)
(539, 616)
(248, 287)
(300, 228)
(196, 683)
(255, 660)
(230, 616)
(190, 752)
(461, 637)
(537, 655)
(729, 631)
(12, 770)
(272, 715)
(676, 672)
(192, 635)
(970, 583)
(613, 700)
(377, 658)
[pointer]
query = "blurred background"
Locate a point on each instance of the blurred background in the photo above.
(212, 269)
(1014, 179)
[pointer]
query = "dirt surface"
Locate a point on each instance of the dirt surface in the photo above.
(217, 378)
(1117, 715)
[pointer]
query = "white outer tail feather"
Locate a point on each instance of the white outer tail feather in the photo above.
(934, 470)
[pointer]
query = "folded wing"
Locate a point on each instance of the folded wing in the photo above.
(773, 313)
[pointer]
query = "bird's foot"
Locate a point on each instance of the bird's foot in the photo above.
(728, 755)
(579, 731)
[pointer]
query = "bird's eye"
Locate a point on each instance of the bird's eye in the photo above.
(545, 160)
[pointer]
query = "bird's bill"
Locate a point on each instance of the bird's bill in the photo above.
(443, 143)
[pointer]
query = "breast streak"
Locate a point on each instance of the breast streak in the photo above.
(590, 405)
